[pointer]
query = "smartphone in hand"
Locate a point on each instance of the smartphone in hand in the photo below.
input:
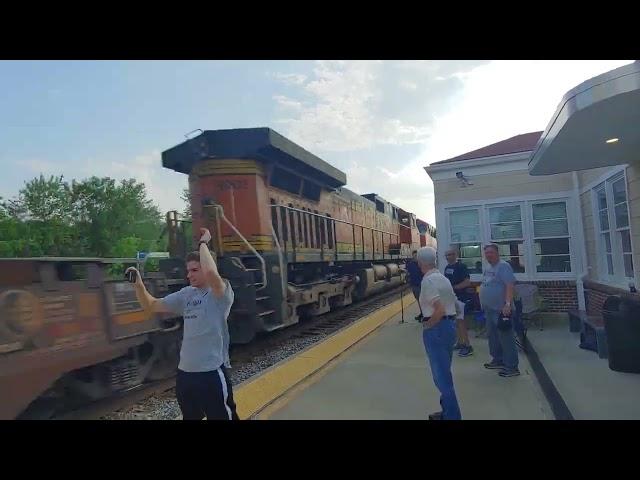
(131, 276)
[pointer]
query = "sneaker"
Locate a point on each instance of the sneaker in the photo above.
(466, 351)
(458, 346)
(509, 372)
(494, 365)
(435, 416)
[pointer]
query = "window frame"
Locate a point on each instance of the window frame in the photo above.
(526, 215)
(572, 257)
(619, 278)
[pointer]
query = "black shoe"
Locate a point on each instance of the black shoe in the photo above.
(494, 365)
(435, 416)
(509, 372)
(419, 318)
(466, 351)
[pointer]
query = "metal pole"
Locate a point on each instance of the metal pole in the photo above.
(401, 305)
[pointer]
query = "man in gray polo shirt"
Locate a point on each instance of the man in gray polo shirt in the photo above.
(496, 297)
(203, 387)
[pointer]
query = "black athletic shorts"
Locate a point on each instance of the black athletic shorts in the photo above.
(206, 394)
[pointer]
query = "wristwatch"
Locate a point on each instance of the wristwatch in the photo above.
(202, 241)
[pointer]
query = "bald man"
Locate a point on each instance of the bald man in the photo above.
(458, 274)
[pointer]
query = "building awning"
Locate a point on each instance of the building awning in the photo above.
(597, 124)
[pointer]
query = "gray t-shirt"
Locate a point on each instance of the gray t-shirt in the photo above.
(494, 285)
(205, 341)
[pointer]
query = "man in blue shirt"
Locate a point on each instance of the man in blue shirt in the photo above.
(415, 279)
(496, 297)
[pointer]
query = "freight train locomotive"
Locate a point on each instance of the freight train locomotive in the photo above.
(291, 239)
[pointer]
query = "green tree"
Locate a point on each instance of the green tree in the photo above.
(186, 197)
(107, 212)
(92, 217)
(46, 199)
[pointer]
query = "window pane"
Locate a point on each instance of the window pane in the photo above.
(504, 214)
(507, 249)
(610, 264)
(556, 263)
(547, 211)
(470, 251)
(622, 217)
(512, 252)
(607, 242)
(474, 264)
(619, 191)
(550, 228)
(503, 231)
(626, 241)
(470, 255)
(602, 199)
(552, 246)
(517, 264)
(604, 220)
(465, 234)
(628, 265)
(464, 217)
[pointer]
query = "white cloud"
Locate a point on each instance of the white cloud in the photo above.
(407, 85)
(287, 102)
(164, 186)
(456, 107)
(38, 166)
(290, 78)
(352, 105)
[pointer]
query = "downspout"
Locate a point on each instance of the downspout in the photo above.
(582, 272)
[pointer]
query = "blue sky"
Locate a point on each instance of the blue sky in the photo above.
(379, 121)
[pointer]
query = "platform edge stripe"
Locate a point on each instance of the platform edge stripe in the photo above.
(254, 395)
(558, 406)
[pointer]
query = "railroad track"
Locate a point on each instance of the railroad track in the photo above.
(247, 361)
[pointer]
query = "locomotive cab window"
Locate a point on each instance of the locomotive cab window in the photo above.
(285, 181)
(311, 190)
(380, 206)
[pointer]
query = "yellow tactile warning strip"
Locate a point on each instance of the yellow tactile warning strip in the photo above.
(254, 395)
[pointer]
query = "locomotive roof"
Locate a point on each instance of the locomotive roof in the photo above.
(262, 144)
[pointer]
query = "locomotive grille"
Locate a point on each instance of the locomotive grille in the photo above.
(124, 375)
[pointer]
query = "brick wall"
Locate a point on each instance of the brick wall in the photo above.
(594, 300)
(560, 295)
(596, 293)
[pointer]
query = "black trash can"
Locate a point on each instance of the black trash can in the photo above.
(622, 326)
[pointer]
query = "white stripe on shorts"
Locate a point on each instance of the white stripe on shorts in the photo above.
(225, 392)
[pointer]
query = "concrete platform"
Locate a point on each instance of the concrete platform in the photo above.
(589, 388)
(386, 376)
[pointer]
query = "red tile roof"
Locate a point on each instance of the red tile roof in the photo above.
(520, 143)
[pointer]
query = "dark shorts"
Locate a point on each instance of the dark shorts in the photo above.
(206, 394)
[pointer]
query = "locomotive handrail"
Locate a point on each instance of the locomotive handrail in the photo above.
(335, 219)
(262, 262)
(280, 262)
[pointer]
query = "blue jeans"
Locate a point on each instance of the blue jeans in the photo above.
(502, 344)
(438, 343)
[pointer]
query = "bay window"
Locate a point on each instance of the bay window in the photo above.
(614, 235)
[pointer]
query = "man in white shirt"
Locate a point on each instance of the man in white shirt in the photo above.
(438, 304)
